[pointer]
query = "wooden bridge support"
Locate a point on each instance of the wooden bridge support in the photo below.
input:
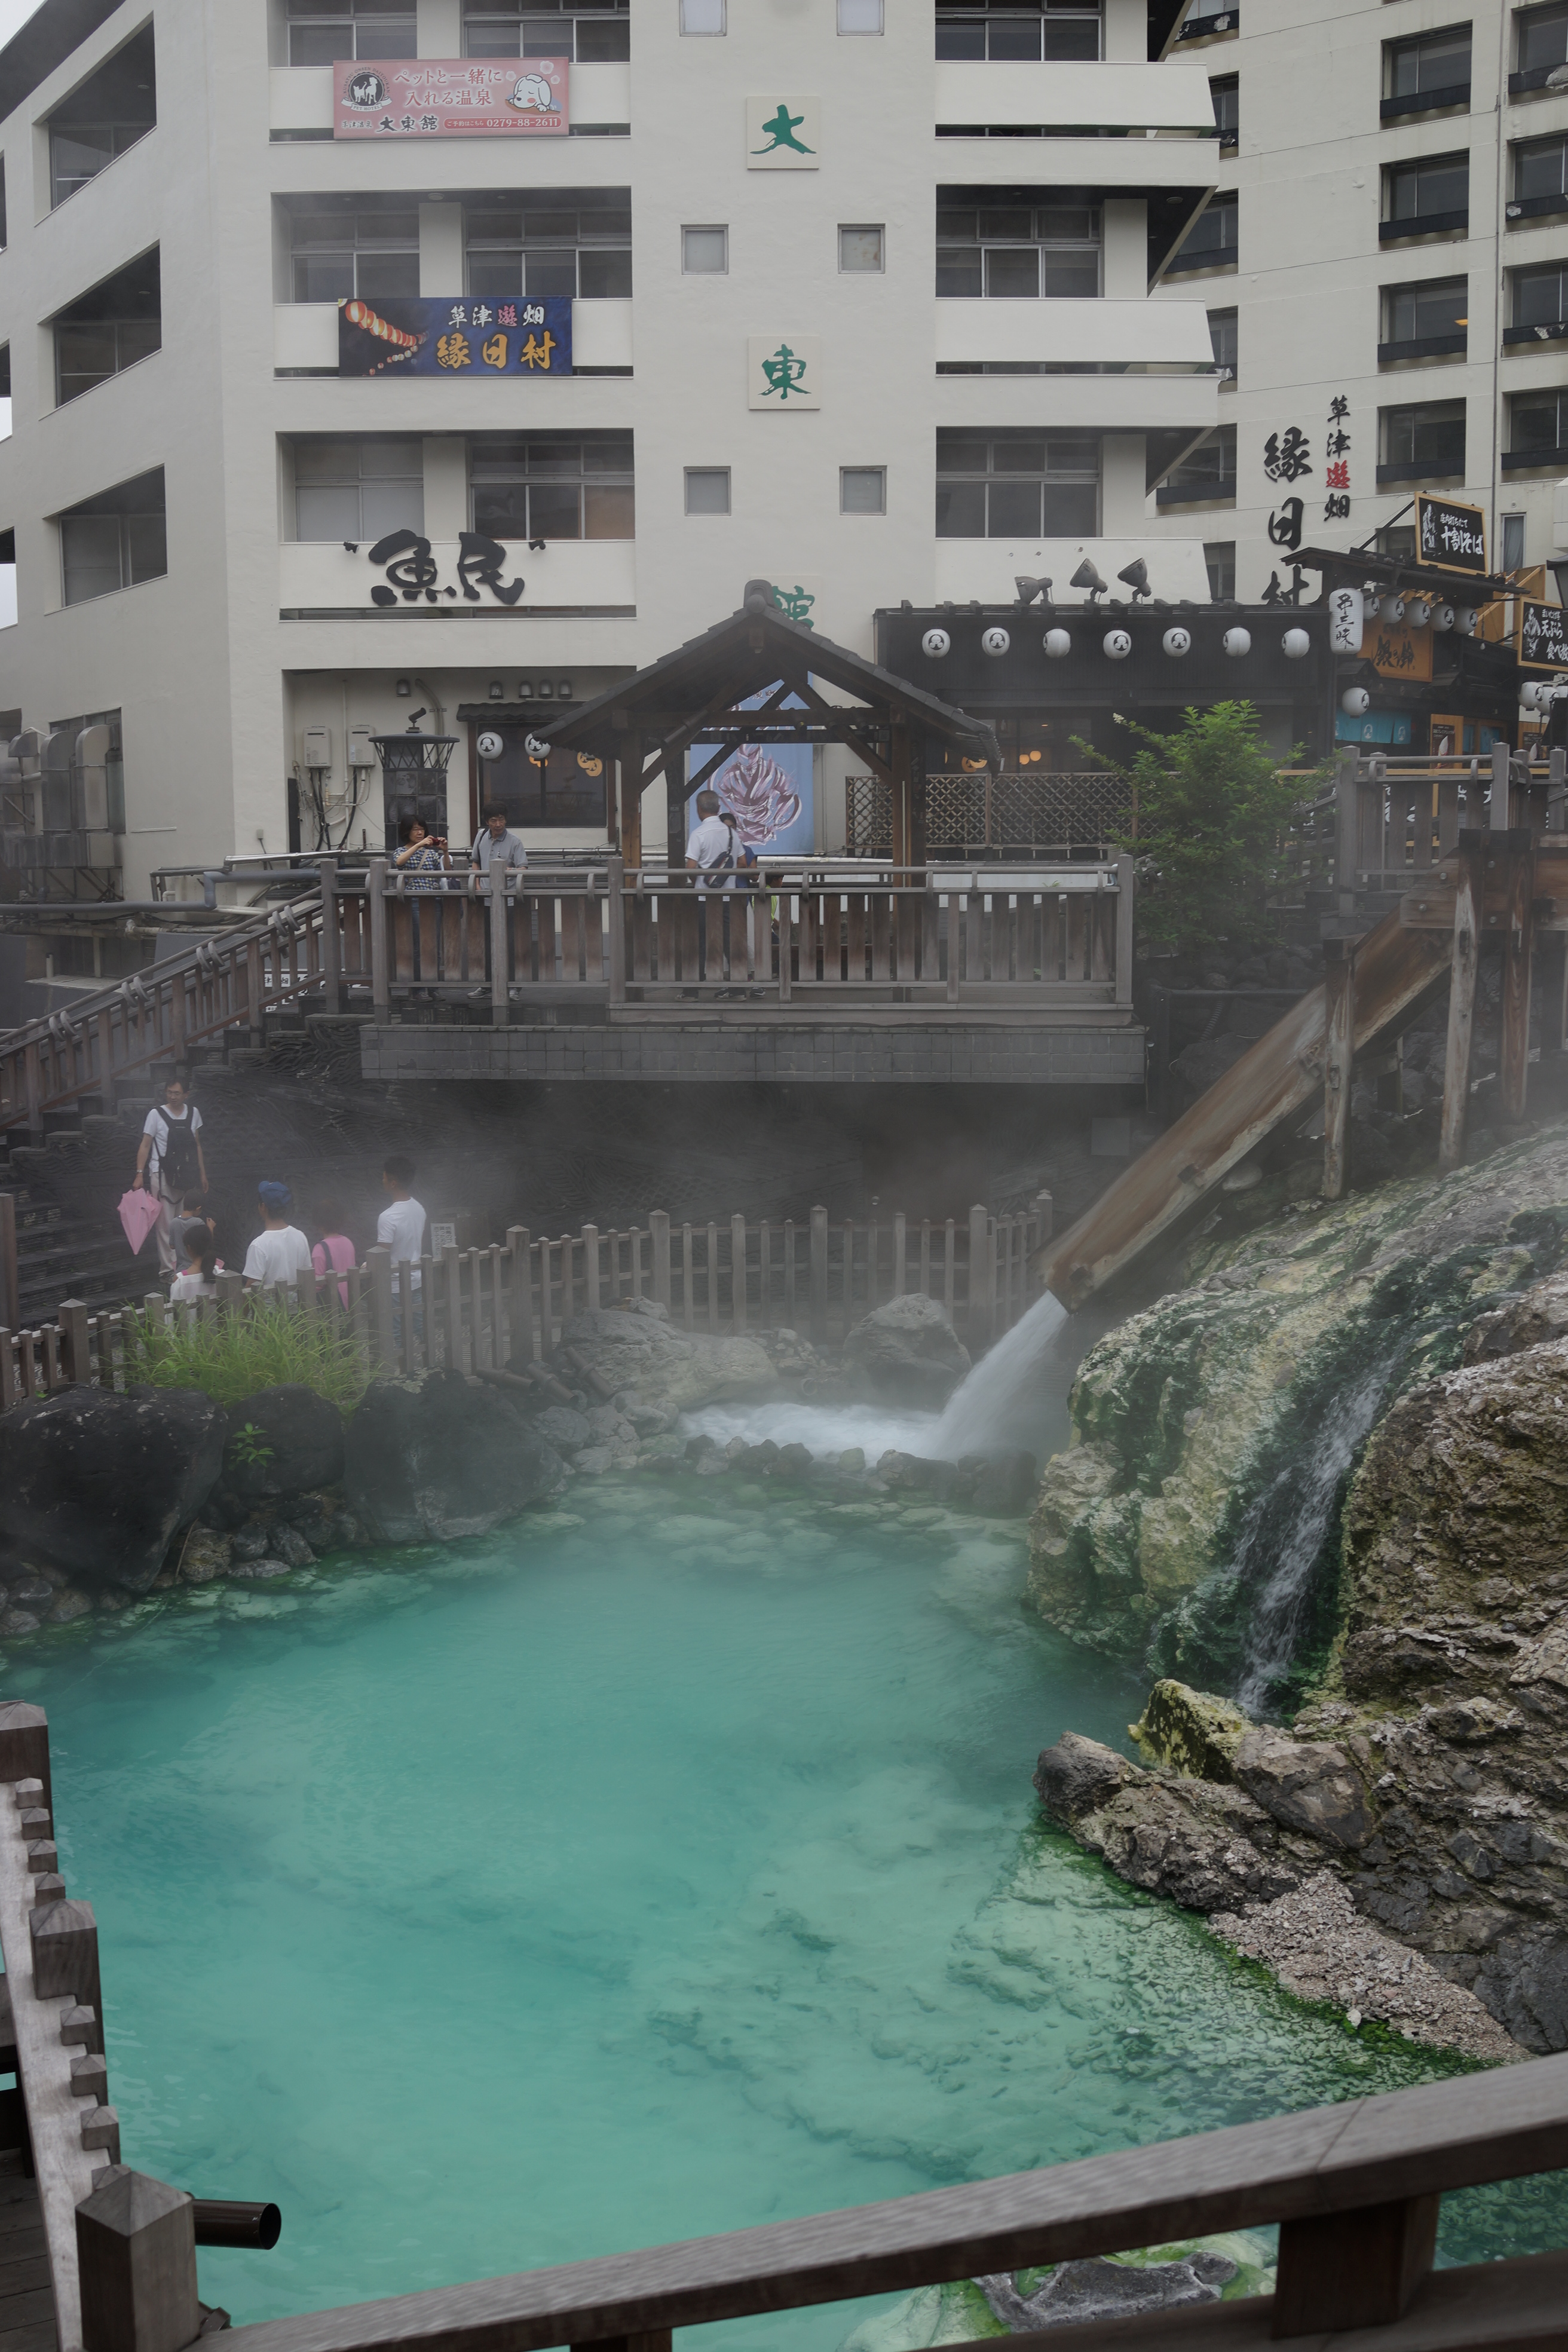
(1339, 1059)
(1470, 871)
(1518, 941)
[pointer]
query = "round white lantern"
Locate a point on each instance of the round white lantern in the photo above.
(1532, 694)
(1369, 603)
(1418, 611)
(936, 644)
(1177, 642)
(1237, 642)
(1465, 620)
(1391, 607)
(1118, 645)
(1356, 701)
(994, 641)
(1442, 616)
(1057, 643)
(491, 745)
(1295, 644)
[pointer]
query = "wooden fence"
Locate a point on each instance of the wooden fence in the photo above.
(1386, 819)
(484, 1309)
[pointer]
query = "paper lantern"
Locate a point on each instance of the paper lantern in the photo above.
(936, 644)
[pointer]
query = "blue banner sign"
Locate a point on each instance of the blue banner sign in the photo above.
(456, 337)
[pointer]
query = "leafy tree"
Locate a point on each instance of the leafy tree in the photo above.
(1212, 804)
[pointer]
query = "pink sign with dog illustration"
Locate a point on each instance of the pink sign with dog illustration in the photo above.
(443, 98)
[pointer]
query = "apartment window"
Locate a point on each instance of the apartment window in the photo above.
(1211, 243)
(1432, 70)
(4, 392)
(860, 249)
(1540, 172)
(1431, 192)
(859, 15)
(1207, 472)
(336, 251)
(357, 486)
(1513, 543)
(1426, 319)
(1538, 427)
(321, 31)
(1223, 340)
(589, 32)
(4, 240)
(551, 484)
(1540, 295)
(579, 243)
(116, 539)
(706, 489)
(704, 252)
(1219, 562)
(1017, 31)
(102, 116)
(703, 16)
(1225, 91)
(109, 328)
(1016, 485)
(1427, 440)
(862, 489)
(1010, 247)
(1542, 38)
(1205, 17)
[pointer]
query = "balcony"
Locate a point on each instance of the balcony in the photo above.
(1074, 335)
(1425, 101)
(1422, 347)
(1551, 78)
(1552, 332)
(1225, 21)
(1536, 461)
(305, 336)
(302, 97)
(1402, 232)
(320, 579)
(1064, 97)
(1533, 208)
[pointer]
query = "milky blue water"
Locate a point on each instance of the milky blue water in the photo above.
(656, 1868)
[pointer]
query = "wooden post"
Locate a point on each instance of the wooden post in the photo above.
(1518, 945)
(1045, 1218)
(76, 1348)
(331, 942)
(658, 1227)
(254, 993)
(615, 941)
(10, 1305)
(1124, 892)
(378, 1266)
(375, 915)
(136, 2255)
(500, 977)
(977, 1329)
(1469, 901)
(1347, 814)
(520, 1303)
(1359, 2268)
(738, 1274)
(900, 1253)
(1339, 1056)
(818, 1277)
(1502, 788)
(24, 1746)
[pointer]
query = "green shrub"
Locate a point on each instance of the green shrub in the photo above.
(230, 1357)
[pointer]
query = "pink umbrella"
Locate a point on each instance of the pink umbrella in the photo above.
(138, 1214)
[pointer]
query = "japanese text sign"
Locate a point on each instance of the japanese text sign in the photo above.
(1346, 620)
(1397, 651)
(456, 336)
(1452, 536)
(1543, 637)
(784, 372)
(413, 569)
(442, 97)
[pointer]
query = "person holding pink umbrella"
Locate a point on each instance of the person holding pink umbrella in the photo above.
(169, 1161)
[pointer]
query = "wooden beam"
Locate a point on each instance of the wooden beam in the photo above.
(1353, 2270)
(1517, 954)
(1339, 1061)
(1469, 870)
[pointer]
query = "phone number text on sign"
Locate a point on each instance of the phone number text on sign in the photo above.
(438, 98)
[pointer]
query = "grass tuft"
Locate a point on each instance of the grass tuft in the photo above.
(229, 1358)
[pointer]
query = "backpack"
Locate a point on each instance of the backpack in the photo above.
(178, 1166)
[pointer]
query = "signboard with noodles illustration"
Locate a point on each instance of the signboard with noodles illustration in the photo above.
(447, 98)
(446, 336)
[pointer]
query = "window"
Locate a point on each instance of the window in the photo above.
(4, 392)
(551, 484)
(1429, 439)
(1009, 245)
(107, 328)
(708, 489)
(1223, 339)
(1016, 485)
(862, 489)
(860, 249)
(337, 250)
(116, 539)
(703, 16)
(579, 243)
(1539, 426)
(1017, 31)
(102, 116)
(1540, 295)
(1219, 561)
(1541, 172)
(588, 32)
(357, 486)
(1207, 472)
(1211, 242)
(1432, 188)
(1434, 309)
(1542, 38)
(3, 235)
(859, 15)
(1434, 70)
(704, 252)
(1513, 543)
(321, 31)
(1225, 91)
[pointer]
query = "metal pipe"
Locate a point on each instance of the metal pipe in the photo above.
(228, 2222)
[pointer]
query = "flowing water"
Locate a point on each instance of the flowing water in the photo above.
(1002, 1400)
(657, 1866)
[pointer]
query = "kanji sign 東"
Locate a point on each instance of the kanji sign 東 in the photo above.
(1543, 637)
(1449, 535)
(446, 98)
(456, 336)
(784, 372)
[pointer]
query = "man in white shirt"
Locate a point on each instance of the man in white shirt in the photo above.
(400, 1228)
(493, 841)
(280, 1251)
(710, 850)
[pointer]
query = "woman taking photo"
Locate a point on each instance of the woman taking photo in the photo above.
(423, 858)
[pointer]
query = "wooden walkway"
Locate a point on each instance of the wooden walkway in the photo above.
(27, 2296)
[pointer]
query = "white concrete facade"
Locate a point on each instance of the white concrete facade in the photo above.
(255, 636)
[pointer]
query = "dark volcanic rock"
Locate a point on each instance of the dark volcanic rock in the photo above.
(1306, 1785)
(96, 1484)
(296, 1445)
(436, 1459)
(907, 1352)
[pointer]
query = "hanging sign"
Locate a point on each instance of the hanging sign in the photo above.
(1543, 637)
(783, 134)
(1347, 612)
(421, 335)
(1395, 651)
(1451, 536)
(444, 98)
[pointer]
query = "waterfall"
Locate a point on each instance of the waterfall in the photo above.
(1288, 1523)
(998, 1404)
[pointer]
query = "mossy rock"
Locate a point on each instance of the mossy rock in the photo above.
(1191, 1731)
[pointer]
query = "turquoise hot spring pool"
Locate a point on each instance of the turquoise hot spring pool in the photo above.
(659, 1866)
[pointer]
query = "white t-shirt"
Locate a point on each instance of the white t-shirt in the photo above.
(157, 1124)
(191, 1286)
(401, 1229)
(711, 847)
(281, 1254)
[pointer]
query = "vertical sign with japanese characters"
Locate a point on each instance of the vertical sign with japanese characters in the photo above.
(1287, 458)
(1337, 471)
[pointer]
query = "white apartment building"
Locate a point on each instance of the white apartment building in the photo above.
(1386, 266)
(859, 300)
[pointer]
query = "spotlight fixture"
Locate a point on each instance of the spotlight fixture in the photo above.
(498, 691)
(536, 547)
(405, 688)
(1086, 576)
(1136, 575)
(1028, 589)
(351, 546)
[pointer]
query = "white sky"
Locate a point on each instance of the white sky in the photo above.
(12, 14)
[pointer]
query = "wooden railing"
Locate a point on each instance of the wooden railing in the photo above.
(1387, 817)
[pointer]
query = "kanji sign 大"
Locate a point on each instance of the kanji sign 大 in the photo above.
(444, 98)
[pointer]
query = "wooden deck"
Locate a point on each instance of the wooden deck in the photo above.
(27, 2297)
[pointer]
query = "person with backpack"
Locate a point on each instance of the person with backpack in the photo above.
(170, 1162)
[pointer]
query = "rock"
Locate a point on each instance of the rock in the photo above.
(907, 1352)
(1308, 1785)
(636, 1347)
(793, 1460)
(289, 1545)
(16, 1621)
(1539, 1313)
(1191, 1731)
(564, 1429)
(1200, 1064)
(1093, 2288)
(593, 1461)
(852, 1461)
(1005, 1485)
(69, 1606)
(295, 1443)
(260, 1571)
(205, 1555)
(1078, 1776)
(95, 1484)
(442, 1458)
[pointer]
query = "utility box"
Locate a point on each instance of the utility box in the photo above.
(460, 1229)
(318, 748)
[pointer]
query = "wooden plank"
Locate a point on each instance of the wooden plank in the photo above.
(1470, 869)
(1338, 1057)
(1338, 2270)
(1518, 956)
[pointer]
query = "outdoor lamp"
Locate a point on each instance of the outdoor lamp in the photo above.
(563, 690)
(1418, 611)
(1237, 642)
(1442, 616)
(498, 691)
(936, 644)
(405, 688)
(1391, 607)
(994, 642)
(1295, 644)
(1465, 620)
(1177, 642)
(1532, 694)
(525, 689)
(1356, 701)
(1057, 643)
(1118, 645)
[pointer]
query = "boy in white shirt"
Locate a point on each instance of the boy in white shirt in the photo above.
(710, 851)
(400, 1228)
(280, 1251)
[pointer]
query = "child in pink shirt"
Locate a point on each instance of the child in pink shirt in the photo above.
(334, 1251)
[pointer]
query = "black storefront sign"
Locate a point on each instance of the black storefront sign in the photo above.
(1451, 536)
(1542, 638)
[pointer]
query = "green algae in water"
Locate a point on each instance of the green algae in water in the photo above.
(622, 1881)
